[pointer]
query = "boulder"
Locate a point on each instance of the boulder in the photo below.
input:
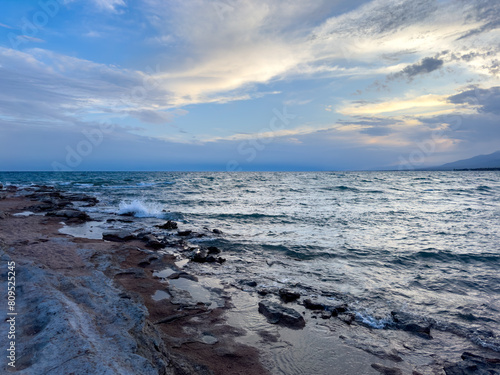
(287, 295)
(169, 225)
(313, 305)
(199, 255)
(152, 241)
(213, 250)
(11, 188)
(406, 322)
(337, 309)
(118, 236)
(217, 231)
(1, 186)
(184, 233)
(202, 256)
(70, 214)
(278, 314)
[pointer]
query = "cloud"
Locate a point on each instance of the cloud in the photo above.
(228, 51)
(420, 105)
(105, 5)
(486, 100)
(43, 85)
(427, 65)
(157, 117)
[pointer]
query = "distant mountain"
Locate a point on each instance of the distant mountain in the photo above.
(476, 162)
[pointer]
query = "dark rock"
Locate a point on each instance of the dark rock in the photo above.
(347, 318)
(11, 188)
(152, 241)
(144, 264)
(337, 309)
(213, 250)
(1, 186)
(466, 356)
(91, 201)
(169, 225)
(278, 314)
(473, 364)
(118, 236)
(250, 283)
(3, 215)
(70, 214)
(217, 231)
(287, 295)
(184, 233)
(326, 314)
(308, 304)
(263, 292)
(406, 322)
(202, 256)
(199, 255)
(387, 370)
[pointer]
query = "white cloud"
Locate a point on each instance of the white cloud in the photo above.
(245, 43)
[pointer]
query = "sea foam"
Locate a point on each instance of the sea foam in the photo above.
(138, 208)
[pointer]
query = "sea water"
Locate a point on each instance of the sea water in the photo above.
(426, 243)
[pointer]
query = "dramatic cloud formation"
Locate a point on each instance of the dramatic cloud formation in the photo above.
(226, 80)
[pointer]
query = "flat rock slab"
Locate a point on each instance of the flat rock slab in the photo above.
(278, 314)
(118, 236)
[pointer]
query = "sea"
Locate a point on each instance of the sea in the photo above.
(426, 243)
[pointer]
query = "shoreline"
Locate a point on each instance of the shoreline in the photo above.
(172, 333)
(99, 294)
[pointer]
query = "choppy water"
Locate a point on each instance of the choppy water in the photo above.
(427, 243)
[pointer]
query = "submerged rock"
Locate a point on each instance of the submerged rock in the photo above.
(169, 225)
(184, 233)
(217, 231)
(278, 314)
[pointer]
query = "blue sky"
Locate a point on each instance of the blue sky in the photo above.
(247, 84)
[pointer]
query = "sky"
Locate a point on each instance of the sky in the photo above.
(241, 85)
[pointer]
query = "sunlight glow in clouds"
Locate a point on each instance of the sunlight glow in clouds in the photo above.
(364, 73)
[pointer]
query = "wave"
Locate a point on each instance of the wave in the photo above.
(373, 322)
(447, 256)
(138, 208)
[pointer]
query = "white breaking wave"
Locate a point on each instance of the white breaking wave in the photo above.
(138, 208)
(373, 322)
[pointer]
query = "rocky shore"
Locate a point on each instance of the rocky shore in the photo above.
(124, 304)
(85, 306)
